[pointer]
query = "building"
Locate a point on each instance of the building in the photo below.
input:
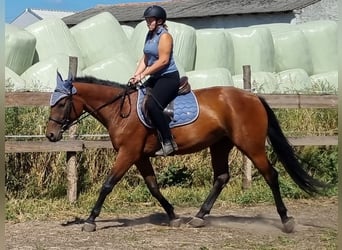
(30, 16)
(213, 14)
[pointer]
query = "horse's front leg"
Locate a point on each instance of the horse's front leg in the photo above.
(145, 167)
(122, 164)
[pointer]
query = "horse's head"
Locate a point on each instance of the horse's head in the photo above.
(64, 109)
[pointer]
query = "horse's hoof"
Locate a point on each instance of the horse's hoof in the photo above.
(175, 222)
(89, 227)
(196, 222)
(289, 225)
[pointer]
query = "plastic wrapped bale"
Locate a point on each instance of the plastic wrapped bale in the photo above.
(42, 75)
(54, 37)
(294, 81)
(20, 48)
(291, 49)
(252, 46)
(100, 37)
(13, 82)
(211, 77)
(325, 82)
(184, 40)
(128, 30)
(261, 82)
(119, 69)
(322, 41)
(214, 49)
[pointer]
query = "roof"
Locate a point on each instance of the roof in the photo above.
(42, 14)
(191, 8)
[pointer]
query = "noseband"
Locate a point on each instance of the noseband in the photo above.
(66, 122)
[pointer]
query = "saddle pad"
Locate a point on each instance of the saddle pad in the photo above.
(186, 109)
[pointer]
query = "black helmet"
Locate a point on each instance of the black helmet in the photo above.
(155, 11)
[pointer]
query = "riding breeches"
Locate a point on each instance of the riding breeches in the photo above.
(163, 90)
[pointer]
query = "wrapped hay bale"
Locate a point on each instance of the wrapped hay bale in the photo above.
(20, 48)
(184, 42)
(118, 68)
(53, 37)
(214, 49)
(42, 75)
(210, 77)
(294, 81)
(325, 82)
(13, 82)
(261, 82)
(254, 47)
(291, 49)
(128, 30)
(322, 41)
(100, 37)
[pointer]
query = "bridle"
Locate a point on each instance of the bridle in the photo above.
(66, 122)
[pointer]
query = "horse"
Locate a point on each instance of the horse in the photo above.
(228, 117)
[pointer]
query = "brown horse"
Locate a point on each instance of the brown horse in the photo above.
(228, 117)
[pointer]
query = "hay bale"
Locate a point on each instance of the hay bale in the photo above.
(20, 48)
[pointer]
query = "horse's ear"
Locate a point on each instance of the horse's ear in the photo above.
(59, 77)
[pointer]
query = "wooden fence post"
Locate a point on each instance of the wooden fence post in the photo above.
(247, 164)
(72, 175)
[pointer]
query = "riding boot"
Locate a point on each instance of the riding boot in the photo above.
(167, 148)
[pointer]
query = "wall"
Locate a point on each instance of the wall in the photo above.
(325, 9)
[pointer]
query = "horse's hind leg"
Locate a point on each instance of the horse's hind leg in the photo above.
(271, 176)
(145, 167)
(219, 159)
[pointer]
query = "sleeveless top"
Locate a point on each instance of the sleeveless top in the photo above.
(151, 51)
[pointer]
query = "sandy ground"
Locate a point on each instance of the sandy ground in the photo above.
(252, 227)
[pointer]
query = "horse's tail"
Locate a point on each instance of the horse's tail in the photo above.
(287, 156)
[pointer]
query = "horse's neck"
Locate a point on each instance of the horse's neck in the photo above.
(96, 93)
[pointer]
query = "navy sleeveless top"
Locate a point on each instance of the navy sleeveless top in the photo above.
(151, 51)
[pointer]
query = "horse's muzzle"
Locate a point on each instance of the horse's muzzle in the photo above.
(53, 137)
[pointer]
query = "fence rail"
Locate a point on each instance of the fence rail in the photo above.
(71, 146)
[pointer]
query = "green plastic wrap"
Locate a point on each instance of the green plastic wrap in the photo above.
(214, 49)
(13, 82)
(252, 46)
(101, 37)
(291, 49)
(53, 37)
(322, 41)
(210, 77)
(20, 48)
(42, 75)
(261, 82)
(325, 82)
(294, 81)
(118, 68)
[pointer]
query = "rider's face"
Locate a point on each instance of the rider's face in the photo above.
(151, 23)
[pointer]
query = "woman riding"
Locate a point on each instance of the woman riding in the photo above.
(159, 64)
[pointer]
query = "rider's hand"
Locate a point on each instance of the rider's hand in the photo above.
(134, 80)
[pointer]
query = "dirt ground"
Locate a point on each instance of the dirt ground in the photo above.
(252, 227)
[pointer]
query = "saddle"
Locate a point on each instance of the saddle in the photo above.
(186, 107)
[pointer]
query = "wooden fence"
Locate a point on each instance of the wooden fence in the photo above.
(71, 146)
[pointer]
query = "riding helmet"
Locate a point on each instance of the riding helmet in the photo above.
(155, 11)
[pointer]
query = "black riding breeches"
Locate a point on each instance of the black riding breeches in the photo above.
(163, 89)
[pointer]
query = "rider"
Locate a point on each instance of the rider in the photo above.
(159, 64)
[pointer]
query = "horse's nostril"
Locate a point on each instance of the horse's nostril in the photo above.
(50, 136)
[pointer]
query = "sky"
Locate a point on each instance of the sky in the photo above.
(13, 8)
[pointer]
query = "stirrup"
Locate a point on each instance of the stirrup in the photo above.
(167, 148)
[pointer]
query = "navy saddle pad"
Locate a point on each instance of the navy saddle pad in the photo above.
(186, 109)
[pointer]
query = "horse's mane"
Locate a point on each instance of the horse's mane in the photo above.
(91, 79)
